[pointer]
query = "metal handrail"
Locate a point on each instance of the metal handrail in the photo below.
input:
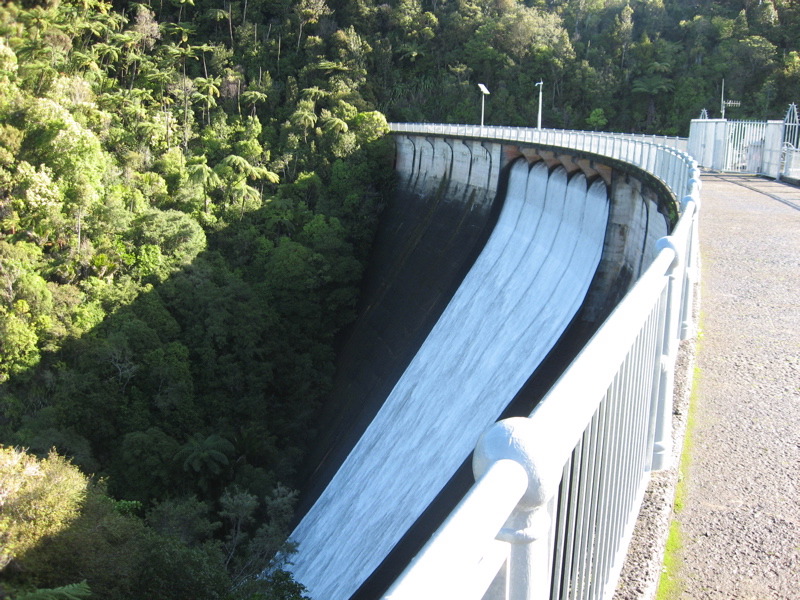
(557, 524)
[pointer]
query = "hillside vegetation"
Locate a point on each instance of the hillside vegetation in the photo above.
(189, 190)
(620, 65)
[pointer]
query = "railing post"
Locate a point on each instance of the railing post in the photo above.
(662, 443)
(691, 268)
(529, 532)
(530, 528)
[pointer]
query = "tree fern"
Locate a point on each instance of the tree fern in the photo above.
(74, 591)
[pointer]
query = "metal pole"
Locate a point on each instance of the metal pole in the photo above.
(484, 92)
(539, 118)
(662, 442)
(530, 527)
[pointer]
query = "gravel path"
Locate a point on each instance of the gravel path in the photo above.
(740, 522)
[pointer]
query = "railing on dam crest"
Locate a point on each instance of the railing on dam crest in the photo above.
(557, 493)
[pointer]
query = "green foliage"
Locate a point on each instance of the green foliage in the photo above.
(277, 585)
(167, 240)
(39, 499)
(186, 519)
(74, 591)
(178, 249)
(188, 197)
(57, 526)
(590, 55)
(18, 349)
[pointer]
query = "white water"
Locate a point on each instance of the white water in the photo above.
(509, 311)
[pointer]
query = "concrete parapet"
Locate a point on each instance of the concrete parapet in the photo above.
(634, 226)
(468, 169)
(405, 155)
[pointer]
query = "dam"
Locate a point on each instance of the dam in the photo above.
(566, 235)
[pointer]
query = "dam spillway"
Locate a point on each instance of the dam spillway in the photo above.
(510, 310)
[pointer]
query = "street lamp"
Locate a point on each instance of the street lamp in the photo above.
(539, 118)
(484, 93)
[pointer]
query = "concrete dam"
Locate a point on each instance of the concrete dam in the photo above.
(494, 263)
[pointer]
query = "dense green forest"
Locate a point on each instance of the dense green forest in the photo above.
(189, 191)
(633, 66)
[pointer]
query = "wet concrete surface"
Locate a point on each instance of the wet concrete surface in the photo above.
(506, 316)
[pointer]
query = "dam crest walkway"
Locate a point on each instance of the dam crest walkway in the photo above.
(740, 516)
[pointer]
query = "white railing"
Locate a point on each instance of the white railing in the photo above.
(745, 147)
(557, 493)
(738, 146)
(678, 143)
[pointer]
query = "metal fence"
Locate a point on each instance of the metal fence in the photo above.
(557, 493)
(770, 148)
(791, 144)
(745, 147)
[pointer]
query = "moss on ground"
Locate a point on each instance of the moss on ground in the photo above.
(671, 583)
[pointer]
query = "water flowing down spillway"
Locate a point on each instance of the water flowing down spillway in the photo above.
(510, 310)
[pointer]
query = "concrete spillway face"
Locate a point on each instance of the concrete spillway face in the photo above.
(509, 311)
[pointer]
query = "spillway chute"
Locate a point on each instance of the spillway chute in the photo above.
(508, 313)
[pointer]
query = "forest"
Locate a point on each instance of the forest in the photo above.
(189, 192)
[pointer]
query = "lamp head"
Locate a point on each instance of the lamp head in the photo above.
(483, 89)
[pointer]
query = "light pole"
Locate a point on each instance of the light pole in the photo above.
(484, 93)
(539, 118)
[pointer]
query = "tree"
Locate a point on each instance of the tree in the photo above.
(185, 519)
(172, 237)
(205, 457)
(253, 98)
(253, 550)
(73, 591)
(59, 527)
(623, 32)
(203, 175)
(304, 117)
(40, 499)
(235, 170)
(18, 341)
(309, 11)
(143, 469)
(207, 88)
(334, 124)
(245, 196)
(146, 26)
(597, 119)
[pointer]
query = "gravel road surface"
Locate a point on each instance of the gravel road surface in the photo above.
(740, 522)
